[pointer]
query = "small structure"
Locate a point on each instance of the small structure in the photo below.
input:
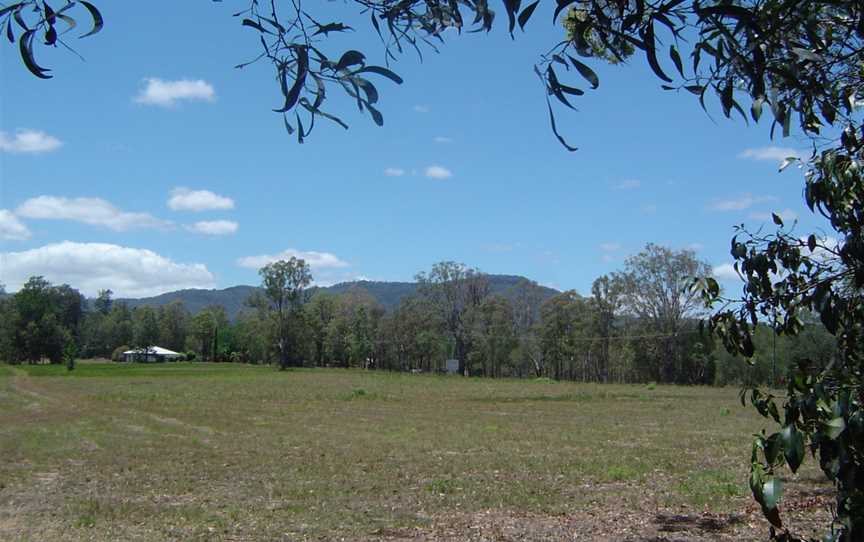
(152, 354)
(452, 366)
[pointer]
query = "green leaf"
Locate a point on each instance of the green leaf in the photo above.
(777, 220)
(835, 427)
(7, 9)
(787, 161)
(811, 242)
(526, 14)
(252, 24)
(772, 490)
(335, 27)
(585, 72)
(555, 129)
(381, 71)
(773, 447)
(293, 94)
(377, 117)
(676, 59)
(756, 109)
(793, 446)
(651, 52)
(350, 58)
(25, 46)
(98, 22)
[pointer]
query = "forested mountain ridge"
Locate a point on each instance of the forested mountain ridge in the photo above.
(388, 294)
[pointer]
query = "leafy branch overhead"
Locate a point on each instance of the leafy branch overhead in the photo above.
(34, 20)
(794, 59)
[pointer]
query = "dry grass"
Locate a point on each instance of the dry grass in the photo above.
(227, 452)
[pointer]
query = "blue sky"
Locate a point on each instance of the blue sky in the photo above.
(155, 165)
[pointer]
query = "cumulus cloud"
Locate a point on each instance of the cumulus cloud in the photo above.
(745, 201)
(28, 141)
(394, 172)
(12, 229)
(772, 154)
(725, 272)
(785, 214)
(167, 93)
(316, 260)
(629, 184)
(89, 267)
(214, 227)
(438, 172)
(184, 199)
(93, 211)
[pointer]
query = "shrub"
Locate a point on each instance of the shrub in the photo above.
(117, 354)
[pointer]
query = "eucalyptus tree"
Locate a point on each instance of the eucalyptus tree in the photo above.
(173, 325)
(453, 290)
(145, 325)
(285, 284)
(319, 312)
(654, 285)
(526, 303)
(606, 301)
(494, 335)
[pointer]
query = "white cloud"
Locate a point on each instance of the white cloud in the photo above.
(422, 108)
(394, 172)
(93, 211)
(610, 247)
(745, 201)
(214, 227)
(648, 209)
(695, 247)
(89, 267)
(628, 184)
(785, 214)
(168, 93)
(773, 154)
(725, 272)
(184, 199)
(29, 141)
(442, 140)
(316, 260)
(11, 229)
(438, 172)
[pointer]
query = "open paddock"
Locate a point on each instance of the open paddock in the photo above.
(197, 451)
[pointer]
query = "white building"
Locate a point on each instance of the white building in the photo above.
(152, 353)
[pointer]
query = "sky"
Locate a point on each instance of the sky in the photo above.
(154, 165)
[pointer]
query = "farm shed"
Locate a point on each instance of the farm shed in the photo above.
(152, 353)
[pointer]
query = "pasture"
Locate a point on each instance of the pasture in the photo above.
(196, 451)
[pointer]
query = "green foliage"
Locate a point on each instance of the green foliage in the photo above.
(285, 284)
(117, 354)
(70, 351)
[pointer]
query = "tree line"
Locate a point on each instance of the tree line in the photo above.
(638, 324)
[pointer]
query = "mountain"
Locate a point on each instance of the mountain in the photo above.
(388, 294)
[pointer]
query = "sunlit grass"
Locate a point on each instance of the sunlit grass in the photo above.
(177, 451)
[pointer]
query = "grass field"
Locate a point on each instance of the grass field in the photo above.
(230, 452)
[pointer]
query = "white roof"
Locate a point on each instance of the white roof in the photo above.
(154, 350)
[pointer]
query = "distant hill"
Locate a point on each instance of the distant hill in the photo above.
(388, 294)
